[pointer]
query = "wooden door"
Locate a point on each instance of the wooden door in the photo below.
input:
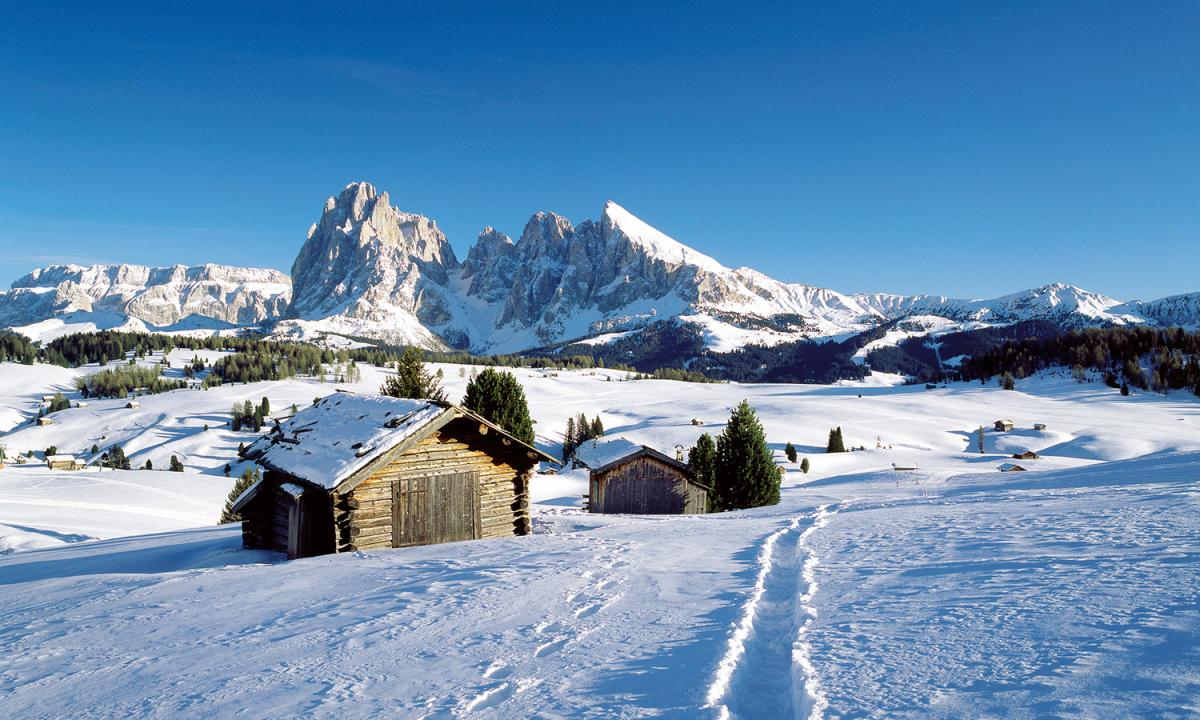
(435, 509)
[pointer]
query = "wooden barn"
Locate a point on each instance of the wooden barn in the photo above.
(1026, 455)
(64, 462)
(355, 472)
(1003, 425)
(639, 480)
(1010, 467)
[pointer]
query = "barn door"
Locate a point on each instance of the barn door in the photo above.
(642, 494)
(436, 509)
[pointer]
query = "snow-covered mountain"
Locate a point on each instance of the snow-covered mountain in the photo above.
(157, 297)
(368, 269)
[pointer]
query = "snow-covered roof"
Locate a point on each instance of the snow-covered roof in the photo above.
(1009, 467)
(342, 433)
(600, 453)
(60, 458)
(603, 451)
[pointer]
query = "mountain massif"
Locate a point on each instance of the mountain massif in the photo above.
(370, 271)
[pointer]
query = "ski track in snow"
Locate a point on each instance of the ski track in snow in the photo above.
(769, 642)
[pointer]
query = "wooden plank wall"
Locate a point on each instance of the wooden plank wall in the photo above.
(267, 520)
(363, 516)
(643, 485)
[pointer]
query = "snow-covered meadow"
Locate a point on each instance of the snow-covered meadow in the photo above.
(949, 591)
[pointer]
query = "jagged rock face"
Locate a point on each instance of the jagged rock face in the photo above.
(161, 297)
(491, 266)
(369, 265)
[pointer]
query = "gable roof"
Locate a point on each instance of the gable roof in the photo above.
(602, 454)
(343, 433)
(1009, 467)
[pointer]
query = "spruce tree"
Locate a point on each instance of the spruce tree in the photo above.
(597, 427)
(499, 397)
(149, 465)
(412, 380)
(248, 478)
(804, 466)
(979, 439)
(790, 451)
(265, 407)
(176, 465)
(569, 440)
(702, 460)
(746, 475)
(1008, 382)
(835, 443)
(95, 448)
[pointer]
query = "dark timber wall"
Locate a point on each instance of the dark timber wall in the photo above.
(645, 485)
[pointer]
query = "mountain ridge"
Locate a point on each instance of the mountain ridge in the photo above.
(368, 269)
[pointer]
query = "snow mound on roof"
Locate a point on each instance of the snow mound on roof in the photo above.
(601, 451)
(341, 434)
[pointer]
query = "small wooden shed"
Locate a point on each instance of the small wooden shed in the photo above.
(132, 404)
(1003, 425)
(639, 480)
(64, 462)
(1026, 455)
(1010, 467)
(1039, 426)
(44, 421)
(356, 472)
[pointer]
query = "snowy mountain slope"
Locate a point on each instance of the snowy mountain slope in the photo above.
(368, 269)
(169, 297)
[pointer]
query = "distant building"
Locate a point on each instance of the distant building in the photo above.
(64, 462)
(899, 468)
(132, 404)
(1026, 455)
(1039, 426)
(1010, 467)
(43, 421)
(1004, 425)
(639, 480)
(696, 421)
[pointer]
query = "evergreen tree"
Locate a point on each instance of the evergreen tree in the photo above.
(746, 475)
(804, 466)
(248, 478)
(1124, 388)
(499, 397)
(95, 448)
(790, 451)
(228, 469)
(51, 450)
(1007, 382)
(412, 380)
(597, 427)
(702, 460)
(979, 439)
(569, 440)
(176, 466)
(149, 465)
(264, 408)
(835, 443)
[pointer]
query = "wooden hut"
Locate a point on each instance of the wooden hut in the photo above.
(1026, 455)
(355, 472)
(1003, 425)
(64, 462)
(132, 404)
(1039, 426)
(44, 421)
(637, 479)
(1010, 467)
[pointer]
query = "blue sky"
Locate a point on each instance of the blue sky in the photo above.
(962, 148)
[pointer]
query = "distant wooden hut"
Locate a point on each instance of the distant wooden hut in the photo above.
(359, 473)
(1026, 455)
(637, 479)
(1010, 467)
(47, 398)
(132, 404)
(1003, 425)
(44, 421)
(697, 421)
(904, 468)
(64, 462)
(1039, 426)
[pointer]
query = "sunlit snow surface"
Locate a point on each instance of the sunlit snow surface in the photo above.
(952, 591)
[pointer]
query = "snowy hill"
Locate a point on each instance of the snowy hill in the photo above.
(368, 269)
(948, 591)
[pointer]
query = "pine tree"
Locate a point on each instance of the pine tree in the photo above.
(228, 469)
(1124, 388)
(412, 380)
(835, 443)
(264, 407)
(979, 439)
(569, 440)
(746, 475)
(702, 460)
(248, 478)
(95, 448)
(1008, 382)
(804, 466)
(149, 465)
(176, 466)
(790, 451)
(597, 427)
(499, 397)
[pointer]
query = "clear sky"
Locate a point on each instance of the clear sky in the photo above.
(962, 148)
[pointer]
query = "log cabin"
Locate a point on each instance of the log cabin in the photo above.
(356, 472)
(1003, 425)
(637, 479)
(64, 462)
